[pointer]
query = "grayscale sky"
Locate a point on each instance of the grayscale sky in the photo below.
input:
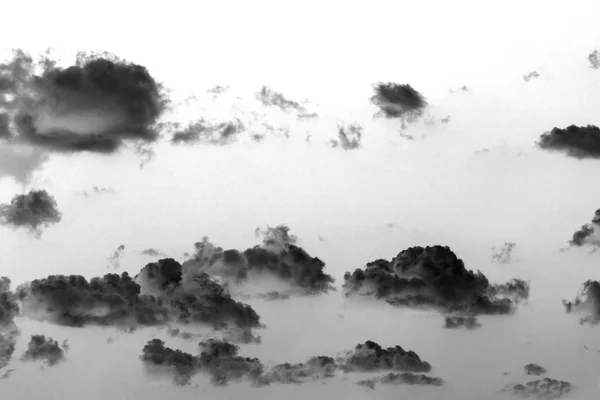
(435, 189)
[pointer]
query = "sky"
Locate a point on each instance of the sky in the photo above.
(473, 183)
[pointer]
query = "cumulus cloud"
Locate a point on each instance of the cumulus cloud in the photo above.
(349, 137)
(270, 98)
(398, 101)
(45, 349)
(531, 75)
(403, 378)
(461, 321)
(35, 211)
(434, 277)
(575, 141)
(594, 59)
(114, 259)
(202, 131)
(589, 234)
(96, 105)
(20, 161)
(534, 369)
(370, 356)
(503, 255)
(587, 303)
(543, 389)
(278, 256)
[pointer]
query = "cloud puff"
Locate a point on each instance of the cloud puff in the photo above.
(270, 98)
(589, 234)
(531, 75)
(349, 137)
(543, 389)
(152, 252)
(434, 277)
(575, 141)
(403, 378)
(459, 321)
(370, 356)
(95, 105)
(277, 256)
(114, 259)
(202, 131)
(43, 348)
(534, 369)
(35, 210)
(398, 101)
(594, 59)
(503, 255)
(587, 302)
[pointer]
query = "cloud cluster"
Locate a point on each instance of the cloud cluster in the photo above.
(575, 141)
(35, 211)
(320, 367)
(434, 277)
(398, 101)
(587, 303)
(403, 378)
(278, 256)
(543, 389)
(504, 254)
(370, 356)
(589, 234)
(95, 105)
(45, 349)
(594, 59)
(349, 137)
(534, 369)
(202, 131)
(462, 321)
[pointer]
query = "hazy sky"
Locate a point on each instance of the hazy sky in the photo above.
(435, 189)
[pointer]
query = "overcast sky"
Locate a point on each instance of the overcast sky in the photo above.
(472, 183)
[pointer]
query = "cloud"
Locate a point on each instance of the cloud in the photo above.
(152, 252)
(458, 321)
(349, 137)
(42, 348)
(529, 76)
(20, 161)
(434, 277)
(463, 88)
(217, 91)
(271, 98)
(34, 211)
(319, 367)
(95, 105)
(242, 335)
(577, 142)
(278, 256)
(594, 59)
(403, 378)
(398, 101)
(8, 343)
(95, 190)
(370, 356)
(9, 308)
(589, 234)
(587, 302)
(504, 254)
(202, 131)
(114, 259)
(534, 369)
(543, 389)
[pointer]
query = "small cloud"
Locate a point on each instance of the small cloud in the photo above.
(589, 234)
(468, 322)
(406, 136)
(96, 190)
(35, 211)
(543, 389)
(529, 76)
(45, 349)
(403, 378)
(114, 259)
(349, 137)
(217, 91)
(152, 252)
(398, 101)
(587, 303)
(201, 131)
(575, 141)
(270, 98)
(594, 59)
(503, 255)
(535, 369)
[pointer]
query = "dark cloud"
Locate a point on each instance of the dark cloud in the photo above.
(45, 349)
(434, 277)
(370, 356)
(534, 369)
(277, 256)
(152, 252)
(349, 137)
(398, 101)
(587, 303)
(95, 105)
(9, 308)
(115, 258)
(575, 141)
(529, 76)
(589, 234)
(20, 162)
(35, 211)
(504, 254)
(96, 190)
(543, 389)
(271, 98)
(459, 321)
(403, 378)
(594, 59)
(202, 131)
(320, 367)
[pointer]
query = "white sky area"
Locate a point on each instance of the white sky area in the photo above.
(434, 188)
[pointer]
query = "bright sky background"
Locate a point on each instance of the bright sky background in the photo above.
(435, 189)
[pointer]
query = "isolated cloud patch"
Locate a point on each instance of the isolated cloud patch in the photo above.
(589, 234)
(95, 105)
(35, 211)
(42, 348)
(531, 75)
(349, 137)
(152, 252)
(370, 356)
(587, 303)
(320, 367)
(398, 101)
(543, 389)
(270, 98)
(575, 141)
(504, 254)
(594, 59)
(534, 369)
(434, 277)
(96, 190)
(461, 321)
(115, 258)
(202, 131)
(403, 378)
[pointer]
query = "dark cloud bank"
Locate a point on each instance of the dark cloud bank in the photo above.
(34, 211)
(220, 360)
(435, 277)
(575, 141)
(278, 256)
(589, 234)
(587, 303)
(398, 101)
